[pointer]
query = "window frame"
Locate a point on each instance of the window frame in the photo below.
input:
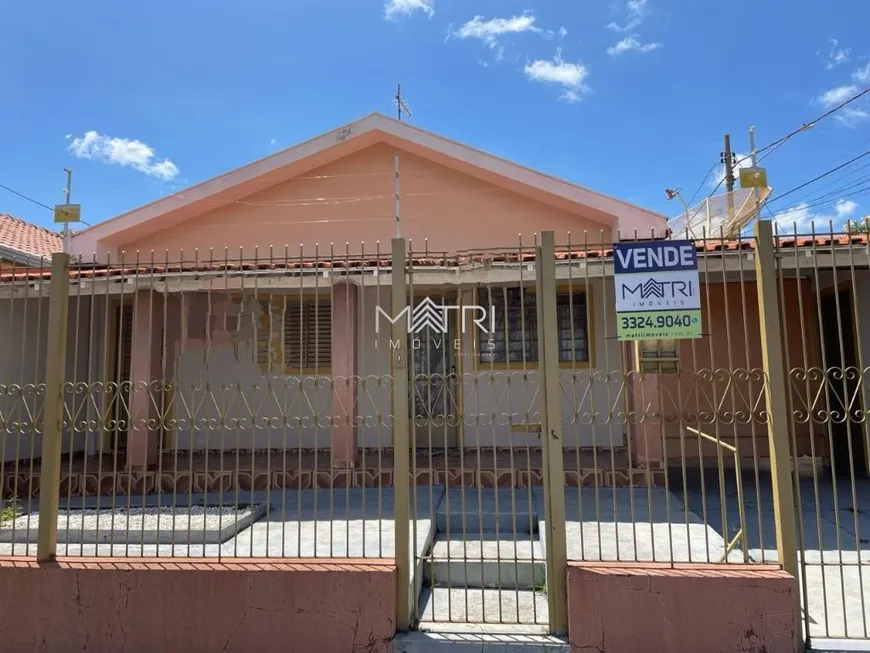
(657, 364)
(562, 288)
(276, 340)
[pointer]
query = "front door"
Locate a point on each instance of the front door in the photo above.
(433, 385)
(847, 455)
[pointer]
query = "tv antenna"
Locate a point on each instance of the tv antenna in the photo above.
(400, 103)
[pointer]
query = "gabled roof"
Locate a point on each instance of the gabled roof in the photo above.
(26, 243)
(337, 143)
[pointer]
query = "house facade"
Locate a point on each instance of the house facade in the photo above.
(252, 312)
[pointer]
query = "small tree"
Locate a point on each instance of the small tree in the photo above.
(861, 226)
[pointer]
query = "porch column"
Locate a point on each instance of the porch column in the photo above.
(343, 439)
(650, 433)
(142, 441)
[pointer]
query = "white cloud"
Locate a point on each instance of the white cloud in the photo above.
(563, 32)
(837, 55)
(862, 75)
(273, 141)
(800, 219)
(123, 152)
(395, 8)
(558, 71)
(636, 11)
(631, 43)
(850, 115)
(490, 30)
(837, 95)
(845, 208)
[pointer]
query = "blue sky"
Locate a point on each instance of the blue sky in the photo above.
(626, 97)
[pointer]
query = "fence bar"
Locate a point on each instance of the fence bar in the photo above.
(777, 406)
(401, 443)
(551, 436)
(52, 428)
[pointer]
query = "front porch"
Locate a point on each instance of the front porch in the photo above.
(228, 471)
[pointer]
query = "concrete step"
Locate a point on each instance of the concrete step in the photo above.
(504, 523)
(475, 510)
(467, 640)
(442, 605)
(486, 560)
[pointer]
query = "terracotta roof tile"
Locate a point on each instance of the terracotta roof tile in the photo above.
(84, 269)
(28, 238)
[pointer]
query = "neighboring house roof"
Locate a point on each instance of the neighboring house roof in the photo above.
(26, 243)
(352, 137)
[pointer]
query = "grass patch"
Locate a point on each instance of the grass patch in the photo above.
(11, 511)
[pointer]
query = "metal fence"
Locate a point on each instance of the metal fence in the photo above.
(472, 415)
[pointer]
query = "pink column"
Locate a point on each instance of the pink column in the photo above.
(344, 371)
(645, 398)
(142, 438)
(649, 434)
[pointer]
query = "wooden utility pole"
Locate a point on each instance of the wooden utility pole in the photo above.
(727, 159)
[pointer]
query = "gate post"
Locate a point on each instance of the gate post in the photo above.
(551, 435)
(772, 344)
(53, 408)
(401, 443)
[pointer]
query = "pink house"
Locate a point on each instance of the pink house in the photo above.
(251, 313)
(270, 284)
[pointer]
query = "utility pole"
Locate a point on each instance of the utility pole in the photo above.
(66, 193)
(727, 158)
(754, 161)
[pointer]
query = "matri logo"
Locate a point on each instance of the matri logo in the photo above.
(657, 291)
(653, 288)
(429, 315)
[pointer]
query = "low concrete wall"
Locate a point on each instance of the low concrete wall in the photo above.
(194, 605)
(685, 608)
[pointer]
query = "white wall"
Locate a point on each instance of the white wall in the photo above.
(224, 400)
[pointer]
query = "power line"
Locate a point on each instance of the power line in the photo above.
(703, 181)
(807, 125)
(780, 141)
(37, 202)
(29, 199)
(817, 178)
(837, 187)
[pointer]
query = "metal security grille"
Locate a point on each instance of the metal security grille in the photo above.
(300, 406)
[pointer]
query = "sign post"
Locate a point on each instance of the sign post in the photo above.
(658, 291)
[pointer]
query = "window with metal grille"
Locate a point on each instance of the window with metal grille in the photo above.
(307, 335)
(287, 331)
(658, 355)
(516, 326)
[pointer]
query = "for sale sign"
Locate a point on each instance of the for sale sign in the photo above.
(658, 294)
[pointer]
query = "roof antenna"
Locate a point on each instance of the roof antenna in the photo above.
(400, 103)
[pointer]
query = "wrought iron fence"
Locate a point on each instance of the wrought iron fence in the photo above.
(472, 415)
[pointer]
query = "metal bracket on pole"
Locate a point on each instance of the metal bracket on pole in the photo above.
(401, 441)
(551, 424)
(777, 407)
(52, 417)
